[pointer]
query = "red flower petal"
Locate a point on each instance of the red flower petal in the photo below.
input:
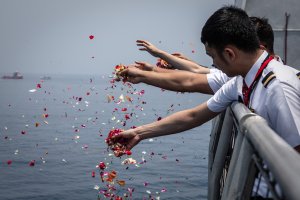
(102, 165)
(31, 163)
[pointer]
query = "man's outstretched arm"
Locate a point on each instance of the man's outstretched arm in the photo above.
(175, 123)
(176, 61)
(180, 81)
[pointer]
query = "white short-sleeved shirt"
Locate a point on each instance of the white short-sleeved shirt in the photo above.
(216, 79)
(278, 103)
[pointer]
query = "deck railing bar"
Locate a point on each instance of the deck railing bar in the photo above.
(266, 176)
(250, 135)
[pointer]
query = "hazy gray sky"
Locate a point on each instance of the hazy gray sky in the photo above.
(52, 36)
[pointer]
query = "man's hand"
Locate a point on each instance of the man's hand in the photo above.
(132, 74)
(144, 66)
(128, 139)
(147, 46)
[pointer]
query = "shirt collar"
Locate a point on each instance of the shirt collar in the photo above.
(252, 72)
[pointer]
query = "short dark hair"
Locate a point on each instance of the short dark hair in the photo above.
(264, 32)
(230, 25)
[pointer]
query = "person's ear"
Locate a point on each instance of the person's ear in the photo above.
(262, 47)
(229, 54)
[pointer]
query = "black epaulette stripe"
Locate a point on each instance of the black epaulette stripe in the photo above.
(268, 78)
(298, 75)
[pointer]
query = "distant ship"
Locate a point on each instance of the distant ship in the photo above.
(16, 75)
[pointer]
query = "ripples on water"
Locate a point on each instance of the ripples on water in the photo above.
(179, 163)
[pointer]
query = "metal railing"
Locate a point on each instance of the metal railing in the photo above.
(243, 147)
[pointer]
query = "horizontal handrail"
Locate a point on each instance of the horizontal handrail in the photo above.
(282, 160)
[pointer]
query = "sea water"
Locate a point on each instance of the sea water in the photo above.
(62, 124)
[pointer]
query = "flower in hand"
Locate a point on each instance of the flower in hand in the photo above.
(121, 142)
(118, 69)
(117, 146)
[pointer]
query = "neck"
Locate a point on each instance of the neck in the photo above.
(248, 61)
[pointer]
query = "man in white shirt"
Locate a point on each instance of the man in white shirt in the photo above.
(236, 53)
(265, 85)
(206, 80)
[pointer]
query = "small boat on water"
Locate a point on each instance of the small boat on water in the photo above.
(16, 75)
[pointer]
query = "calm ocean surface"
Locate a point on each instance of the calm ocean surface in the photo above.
(68, 144)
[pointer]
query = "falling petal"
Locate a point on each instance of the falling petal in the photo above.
(32, 163)
(128, 161)
(101, 165)
(109, 98)
(129, 99)
(121, 97)
(121, 182)
(146, 184)
(32, 90)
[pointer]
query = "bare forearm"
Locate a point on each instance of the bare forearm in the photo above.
(162, 70)
(183, 64)
(178, 122)
(180, 81)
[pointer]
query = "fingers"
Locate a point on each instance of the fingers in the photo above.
(142, 42)
(143, 49)
(121, 143)
(131, 65)
(123, 73)
(140, 63)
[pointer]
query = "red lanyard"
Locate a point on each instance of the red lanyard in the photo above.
(248, 91)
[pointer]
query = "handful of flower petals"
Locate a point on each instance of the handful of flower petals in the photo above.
(119, 147)
(119, 68)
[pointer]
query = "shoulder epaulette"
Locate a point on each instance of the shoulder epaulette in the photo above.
(298, 75)
(268, 78)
